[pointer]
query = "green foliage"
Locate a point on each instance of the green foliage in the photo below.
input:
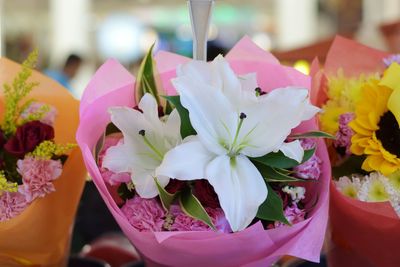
(14, 93)
(124, 192)
(272, 208)
(186, 127)
(271, 174)
(279, 160)
(146, 82)
(166, 198)
(312, 134)
(193, 208)
(351, 165)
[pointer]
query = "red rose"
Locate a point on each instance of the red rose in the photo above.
(174, 186)
(27, 137)
(205, 193)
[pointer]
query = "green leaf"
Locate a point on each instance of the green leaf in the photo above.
(279, 160)
(111, 128)
(124, 192)
(350, 166)
(272, 208)
(146, 82)
(186, 126)
(193, 208)
(271, 174)
(165, 197)
(312, 134)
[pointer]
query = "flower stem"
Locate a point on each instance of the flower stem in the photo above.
(150, 145)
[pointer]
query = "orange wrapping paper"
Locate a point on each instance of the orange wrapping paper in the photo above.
(361, 234)
(40, 235)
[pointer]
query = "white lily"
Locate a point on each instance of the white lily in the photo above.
(233, 123)
(146, 140)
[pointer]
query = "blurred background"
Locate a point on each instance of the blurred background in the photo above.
(94, 30)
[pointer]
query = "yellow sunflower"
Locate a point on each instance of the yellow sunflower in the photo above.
(376, 129)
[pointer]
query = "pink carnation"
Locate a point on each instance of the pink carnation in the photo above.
(144, 214)
(293, 214)
(391, 59)
(48, 118)
(38, 176)
(183, 222)
(311, 169)
(344, 134)
(110, 177)
(11, 205)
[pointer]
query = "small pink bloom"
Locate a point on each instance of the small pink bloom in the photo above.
(344, 134)
(11, 205)
(110, 177)
(293, 214)
(391, 59)
(48, 118)
(144, 214)
(311, 169)
(183, 222)
(38, 176)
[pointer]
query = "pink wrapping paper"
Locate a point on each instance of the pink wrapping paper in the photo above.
(252, 247)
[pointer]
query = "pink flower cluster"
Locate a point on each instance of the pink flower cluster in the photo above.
(48, 118)
(110, 177)
(344, 134)
(11, 205)
(183, 222)
(148, 215)
(391, 59)
(38, 176)
(293, 214)
(37, 181)
(311, 169)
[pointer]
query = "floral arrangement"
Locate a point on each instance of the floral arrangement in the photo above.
(363, 113)
(218, 157)
(360, 100)
(30, 159)
(41, 179)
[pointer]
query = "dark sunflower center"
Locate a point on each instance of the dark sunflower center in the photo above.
(389, 133)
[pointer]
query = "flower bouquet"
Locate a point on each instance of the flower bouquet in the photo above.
(359, 94)
(41, 174)
(222, 168)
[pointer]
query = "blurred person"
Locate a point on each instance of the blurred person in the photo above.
(68, 72)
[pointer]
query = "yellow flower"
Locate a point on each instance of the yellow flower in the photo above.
(6, 186)
(376, 131)
(343, 93)
(348, 187)
(377, 191)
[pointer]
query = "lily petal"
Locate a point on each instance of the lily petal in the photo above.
(118, 159)
(173, 125)
(240, 188)
(270, 120)
(293, 150)
(149, 106)
(211, 114)
(187, 161)
(145, 186)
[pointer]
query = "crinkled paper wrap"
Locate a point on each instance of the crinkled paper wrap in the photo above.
(40, 235)
(361, 233)
(112, 85)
